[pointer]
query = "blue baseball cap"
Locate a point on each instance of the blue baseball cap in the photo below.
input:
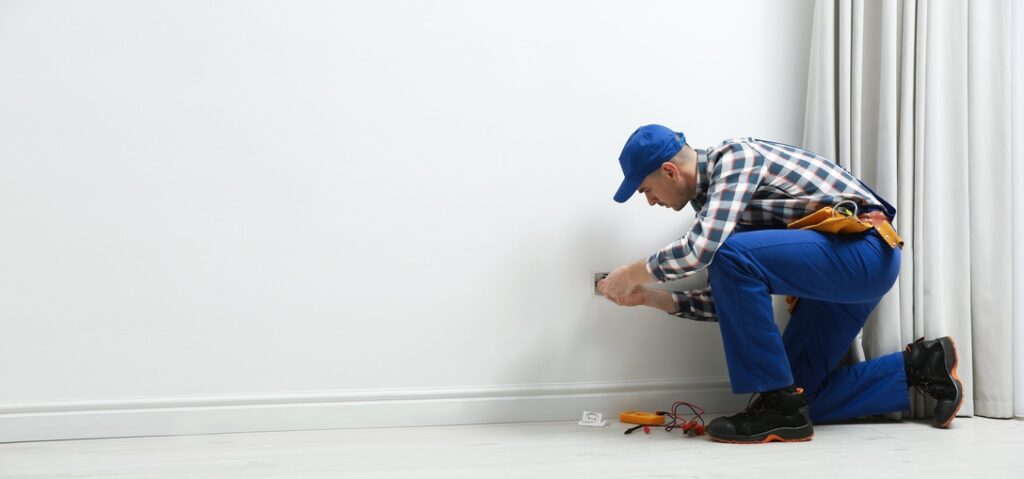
(646, 149)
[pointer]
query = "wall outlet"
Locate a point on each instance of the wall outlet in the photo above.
(598, 277)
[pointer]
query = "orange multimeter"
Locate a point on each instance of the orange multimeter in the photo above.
(642, 417)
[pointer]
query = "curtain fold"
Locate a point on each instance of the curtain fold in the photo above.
(990, 158)
(913, 97)
(1017, 121)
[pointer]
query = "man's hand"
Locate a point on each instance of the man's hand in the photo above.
(636, 298)
(651, 297)
(624, 280)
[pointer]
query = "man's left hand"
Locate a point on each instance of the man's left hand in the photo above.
(624, 279)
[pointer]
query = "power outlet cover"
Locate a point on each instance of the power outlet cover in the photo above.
(598, 277)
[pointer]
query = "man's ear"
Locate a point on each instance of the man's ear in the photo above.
(670, 169)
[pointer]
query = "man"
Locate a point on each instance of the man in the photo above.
(745, 192)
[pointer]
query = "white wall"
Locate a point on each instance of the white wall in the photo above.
(203, 200)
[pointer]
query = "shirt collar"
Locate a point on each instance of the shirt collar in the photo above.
(702, 174)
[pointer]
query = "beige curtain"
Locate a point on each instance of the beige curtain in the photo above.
(915, 98)
(1017, 102)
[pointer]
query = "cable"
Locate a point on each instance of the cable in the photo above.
(694, 426)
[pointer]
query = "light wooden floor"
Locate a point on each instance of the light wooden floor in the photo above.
(974, 447)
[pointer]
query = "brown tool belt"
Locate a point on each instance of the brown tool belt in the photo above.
(841, 221)
(837, 221)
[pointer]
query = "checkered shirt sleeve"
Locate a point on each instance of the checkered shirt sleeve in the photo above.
(695, 304)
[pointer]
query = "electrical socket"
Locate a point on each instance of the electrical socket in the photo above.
(598, 277)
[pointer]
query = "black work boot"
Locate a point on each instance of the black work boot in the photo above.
(931, 368)
(779, 415)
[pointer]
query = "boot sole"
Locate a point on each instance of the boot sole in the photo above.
(949, 351)
(782, 434)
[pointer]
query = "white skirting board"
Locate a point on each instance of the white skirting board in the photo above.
(354, 409)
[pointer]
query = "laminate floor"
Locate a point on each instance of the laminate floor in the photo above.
(973, 447)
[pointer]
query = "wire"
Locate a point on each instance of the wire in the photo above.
(679, 420)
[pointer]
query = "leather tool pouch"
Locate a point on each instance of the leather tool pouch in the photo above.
(840, 220)
(828, 220)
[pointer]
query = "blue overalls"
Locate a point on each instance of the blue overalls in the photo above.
(839, 280)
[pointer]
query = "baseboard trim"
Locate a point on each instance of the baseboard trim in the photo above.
(35, 421)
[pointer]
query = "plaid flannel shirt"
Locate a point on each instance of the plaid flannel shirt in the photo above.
(748, 184)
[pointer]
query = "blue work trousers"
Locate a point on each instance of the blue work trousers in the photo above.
(839, 280)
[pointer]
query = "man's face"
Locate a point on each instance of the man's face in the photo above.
(668, 187)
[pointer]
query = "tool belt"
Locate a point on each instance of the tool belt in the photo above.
(840, 220)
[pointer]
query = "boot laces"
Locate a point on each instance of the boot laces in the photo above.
(919, 378)
(921, 382)
(759, 404)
